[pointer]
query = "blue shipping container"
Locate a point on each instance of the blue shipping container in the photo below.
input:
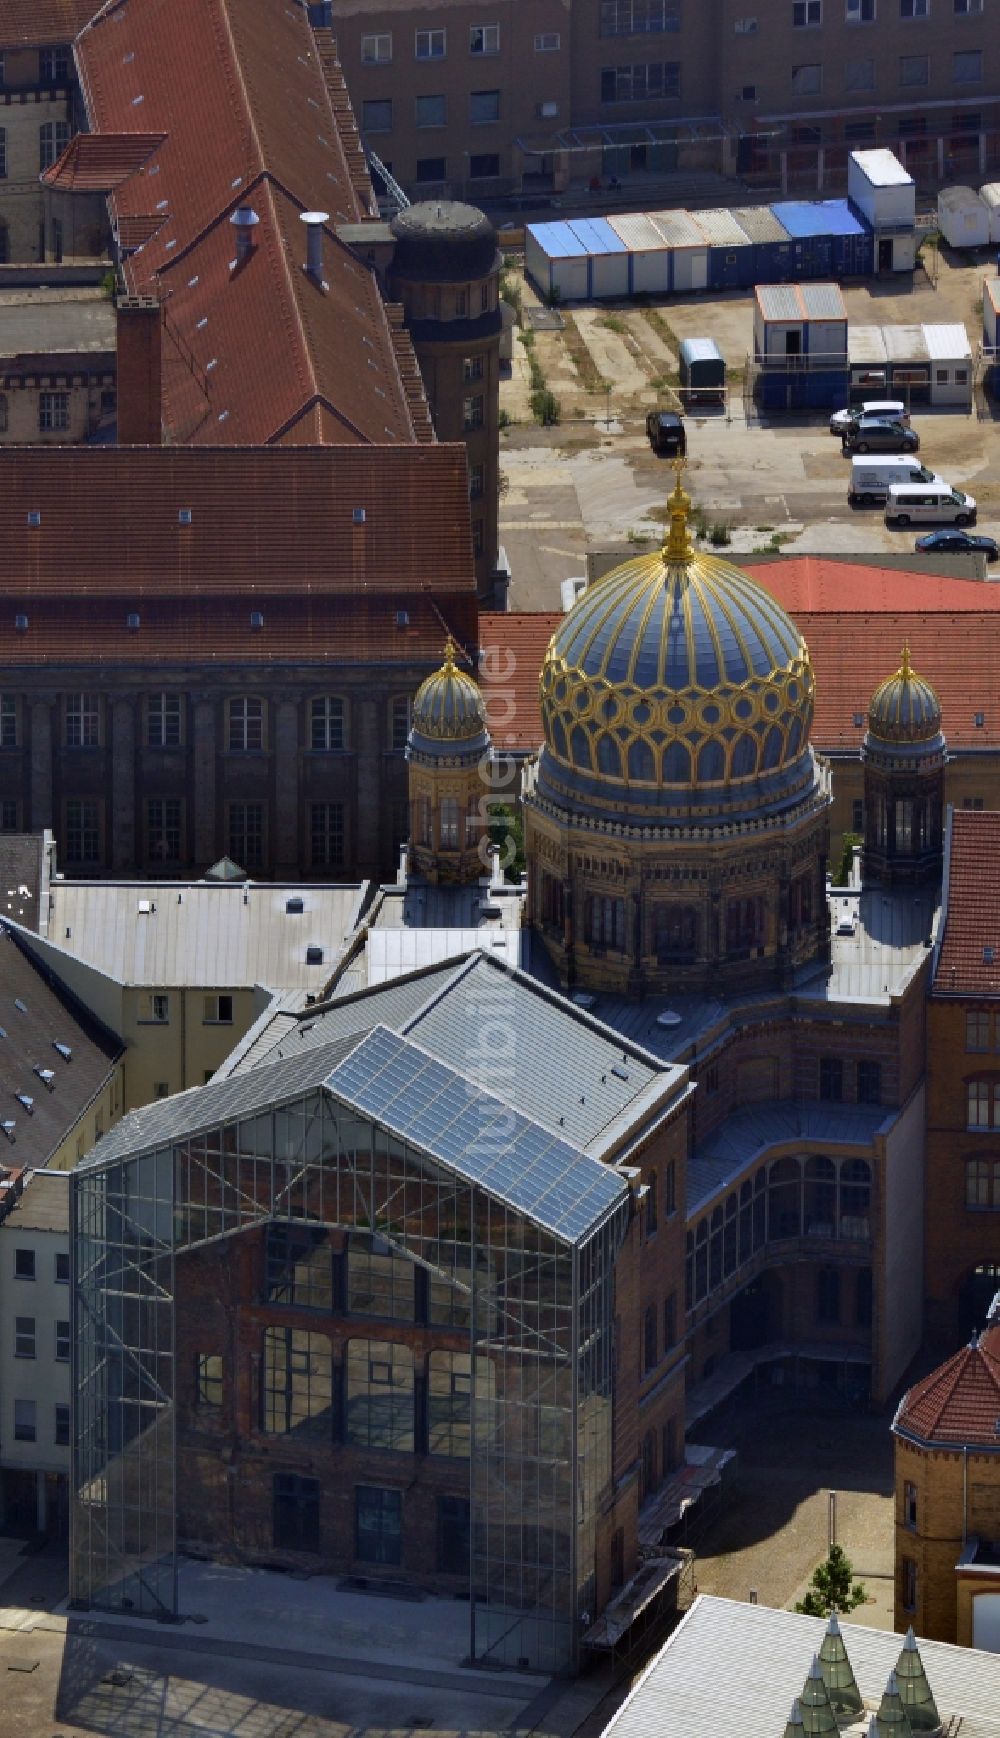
(818, 389)
(608, 259)
(828, 238)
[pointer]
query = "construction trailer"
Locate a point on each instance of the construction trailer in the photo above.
(989, 193)
(557, 262)
(730, 251)
(929, 364)
(882, 192)
(828, 240)
(800, 346)
(688, 250)
(963, 218)
(649, 255)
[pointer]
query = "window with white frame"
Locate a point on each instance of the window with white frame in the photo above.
(246, 725)
(473, 411)
(24, 1336)
(639, 17)
(547, 42)
(53, 65)
(859, 11)
(484, 39)
(806, 13)
(53, 412)
(53, 137)
(218, 1011)
(8, 721)
(966, 8)
(156, 1008)
(163, 721)
(982, 1183)
(82, 721)
(327, 728)
(914, 8)
(62, 1342)
(473, 367)
(430, 44)
(376, 49)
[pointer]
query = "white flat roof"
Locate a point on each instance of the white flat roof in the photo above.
(731, 1671)
(882, 168)
(947, 342)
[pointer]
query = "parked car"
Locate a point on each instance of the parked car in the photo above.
(891, 409)
(666, 432)
(872, 478)
(871, 435)
(929, 503)
(957, 543)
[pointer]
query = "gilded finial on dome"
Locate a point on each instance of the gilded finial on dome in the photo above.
(906, 668)
(450, 649)
(678, 547)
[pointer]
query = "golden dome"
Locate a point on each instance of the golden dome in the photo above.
(905, 707)
(449, 712)
(676, 682)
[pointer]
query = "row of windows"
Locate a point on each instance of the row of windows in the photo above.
(25, 1265)
(303, 1269)
(791, 1198)
(53, 407)
(646, 82)
(832, 1080)
(379, 1397)
(81, 838)
(484, 39)
(378, 1523)
(326, 722)
(914, 71)
(25, 1339)
(430, 111)
(26, 1423)
(53, 66)
(808, 14)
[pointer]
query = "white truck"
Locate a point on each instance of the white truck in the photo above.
(873, 475)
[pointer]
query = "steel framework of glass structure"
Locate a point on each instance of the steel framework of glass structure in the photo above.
(520, 1226)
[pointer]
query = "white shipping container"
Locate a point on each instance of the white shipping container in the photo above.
(881, 189)
(991, 312)
(650, 254)
(990, 196)
(963, 218)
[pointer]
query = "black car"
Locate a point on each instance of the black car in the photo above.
(957, 543)
(666, 432)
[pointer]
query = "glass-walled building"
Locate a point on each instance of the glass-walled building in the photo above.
(350, 1310)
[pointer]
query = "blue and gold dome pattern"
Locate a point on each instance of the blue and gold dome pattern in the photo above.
(905, 708)
(677, 683)
(449, 712)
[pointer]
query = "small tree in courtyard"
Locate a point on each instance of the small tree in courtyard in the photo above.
(832, 1587)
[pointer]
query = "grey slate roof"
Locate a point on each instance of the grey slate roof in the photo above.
(738, 1140)
(731, 1670)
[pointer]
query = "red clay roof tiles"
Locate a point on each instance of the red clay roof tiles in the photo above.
(98, 162)
(43, 23)
(959, 1402)
(241, 94)
(971, 918)
(273, 520)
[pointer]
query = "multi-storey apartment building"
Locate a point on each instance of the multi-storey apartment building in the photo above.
(34, 1351)
(486, 96)
(37, 117)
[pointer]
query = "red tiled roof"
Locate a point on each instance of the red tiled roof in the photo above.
(64, 632)
(132, 232)
(972, 909)
(514, 646)
(855, 621)
(271, 520)
(43, 23)
(239, 90)
(959, 1402)
(98, 162)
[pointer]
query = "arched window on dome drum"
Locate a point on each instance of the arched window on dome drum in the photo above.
(449, 824)
(641, 766)
(675, 932)
(794, 738)
(784, 1199)
(800, 902)
(580, 748)
(744, 759)
(676, 764)
(711, 763)
(557, 736)
(771, 752)
(745, 927)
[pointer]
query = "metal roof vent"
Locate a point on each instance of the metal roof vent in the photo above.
(859, 719)
(244, 221)
(314, 956)
(358, 515)
(184, 515)
(256, 619)
(22, 1007)
(402, 618)
(314, 221)
(987, 956)
(28, 1102)
(132, 621)
(145, 907)
(668, 1018)
(979, 720)
(45, 1075)
(64, 1050)
(8, 1127)
(293, 906)
(21, 624)
(34, 518)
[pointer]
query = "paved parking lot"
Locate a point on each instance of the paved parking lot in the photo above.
(589, 483)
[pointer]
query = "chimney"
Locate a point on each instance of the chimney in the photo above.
(314, 221)
(244, 221)
(139, 342)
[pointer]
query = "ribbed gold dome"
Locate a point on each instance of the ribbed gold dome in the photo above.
(905, 707)
(449, 709)
(676, 674)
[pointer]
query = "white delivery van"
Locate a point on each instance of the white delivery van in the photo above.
(934, 503)
(873, 474)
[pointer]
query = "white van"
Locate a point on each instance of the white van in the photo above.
(934, 503)
(873, 474)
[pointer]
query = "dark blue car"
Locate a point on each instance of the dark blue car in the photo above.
(957, 543)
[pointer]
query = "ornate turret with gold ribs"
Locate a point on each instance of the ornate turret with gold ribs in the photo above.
(447, 748)
(904, 754)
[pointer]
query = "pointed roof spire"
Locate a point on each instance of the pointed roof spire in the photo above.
(678, 547)
(914, 1690)
(795, 1727)
(838, 1675)
(891, 1721)
(906, 668)
(818, 1717)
